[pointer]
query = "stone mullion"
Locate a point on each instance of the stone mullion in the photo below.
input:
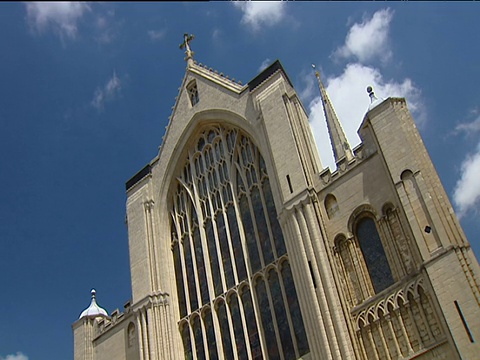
(357, 268)
(146, 350)
(325, 284)
(152, 343)
(342, 329)
(168, 330)
(407, 205)
(418, 302)
(428, 299)
(394, 335)
(414, 324)
(368, 329)
(390, 247)
(326, 350)
(303, 286)
(364, 273)
(378, 323)
(339, 260)
(146, 208)
(362, 343)
(404, 330)
(161, 338)
(140, 334)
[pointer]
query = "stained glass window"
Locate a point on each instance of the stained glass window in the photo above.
(225, 220)
(374, 254)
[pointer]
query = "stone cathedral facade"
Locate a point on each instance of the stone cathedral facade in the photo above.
(242, 246)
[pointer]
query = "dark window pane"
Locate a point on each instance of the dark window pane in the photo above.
(202, 276)
(212, 342)
(374, 254)
(254, 340)
(226, 339)
(236, 243)
(179, 279)
(192, 289)
(187, 345)
(295, 313)
(197, 333)
(222, 238)
(262, 228)
(249, 234)
(267, 321)
(272, 217)
(212, 250)
(281, 316)
(238, 328)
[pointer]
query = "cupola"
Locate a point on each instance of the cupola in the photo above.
(93, 310)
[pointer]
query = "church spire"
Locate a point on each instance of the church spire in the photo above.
(186, 45)
(339, 142)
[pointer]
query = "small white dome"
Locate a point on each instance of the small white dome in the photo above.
(93, 310)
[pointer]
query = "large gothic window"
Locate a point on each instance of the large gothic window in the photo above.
(374, 254)
(230, 255)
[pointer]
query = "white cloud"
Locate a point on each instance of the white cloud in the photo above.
(61, 17)
(350, 100)
(466, 194)
(265, 63)
(17, 356)
(156, 35)
(258, 13)
(469, 127)
(109, 92)
(216, 33)
(369, 39)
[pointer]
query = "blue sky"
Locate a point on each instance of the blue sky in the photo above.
(86, 90)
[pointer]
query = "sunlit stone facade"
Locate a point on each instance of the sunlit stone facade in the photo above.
(243, 247)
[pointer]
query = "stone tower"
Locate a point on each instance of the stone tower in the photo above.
(243, 247)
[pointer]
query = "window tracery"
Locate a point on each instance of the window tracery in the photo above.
(193, 92)
(226, 239)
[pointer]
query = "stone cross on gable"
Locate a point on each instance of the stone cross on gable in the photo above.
(186, 45)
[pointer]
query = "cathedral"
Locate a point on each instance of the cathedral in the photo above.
(242, 246)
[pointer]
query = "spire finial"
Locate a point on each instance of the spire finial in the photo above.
(93, 292)
(186, 45)
(374, 101)
(338, 139)
(371, 94)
